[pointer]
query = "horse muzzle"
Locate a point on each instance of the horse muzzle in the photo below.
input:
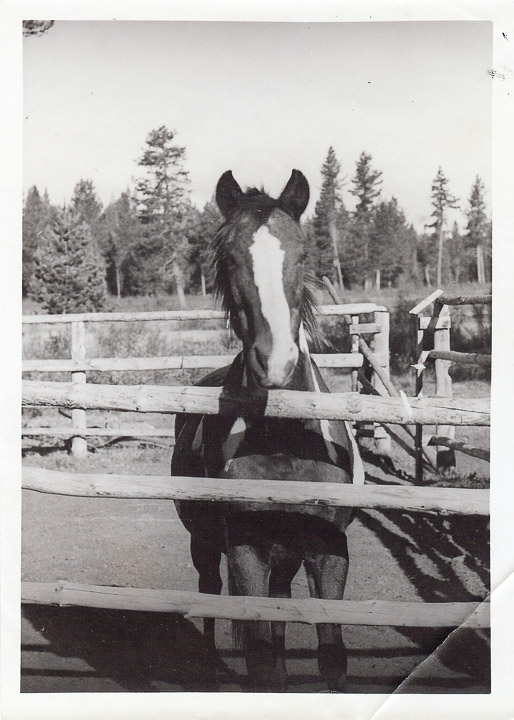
(272, 369)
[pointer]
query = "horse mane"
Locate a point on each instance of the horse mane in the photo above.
(261, 205)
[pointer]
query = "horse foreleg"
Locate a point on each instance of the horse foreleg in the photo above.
(206, 557)
(249, 575)
(327, 570)
(280, 581)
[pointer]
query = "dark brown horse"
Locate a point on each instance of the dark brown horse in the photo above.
(259, 262)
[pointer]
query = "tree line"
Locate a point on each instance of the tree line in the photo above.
(153, 240)
(375, 245)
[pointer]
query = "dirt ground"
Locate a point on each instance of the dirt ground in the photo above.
(393, 556)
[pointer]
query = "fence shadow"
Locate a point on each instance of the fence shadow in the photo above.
(446, 559)
(132, 649)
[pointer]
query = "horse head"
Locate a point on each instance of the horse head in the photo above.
(259, 260)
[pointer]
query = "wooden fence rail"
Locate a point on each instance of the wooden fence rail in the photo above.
(343, 612)
(463, 447)
(466, 358)
(464, 299)
(80, 364)
(173, 362)
(275, 403)
(461, 501)
(184, 315)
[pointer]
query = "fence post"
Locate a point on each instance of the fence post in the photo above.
(443, 386)
(380, 346)
(419, 354)
(355, 349)
(78, 417)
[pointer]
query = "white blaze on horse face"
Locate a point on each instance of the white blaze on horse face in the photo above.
(268, 262)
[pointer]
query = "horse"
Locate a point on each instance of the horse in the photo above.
(259, 267)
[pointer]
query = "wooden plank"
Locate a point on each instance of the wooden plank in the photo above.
(352, 308)
(426, 302)
(419, 367)
(357, 328)
(68, 432)
(78, 417)
(308, 610)
(445, 457)
(465, 299)
(254, 403)
(460, 446)
(179, 362)
(461, 501)
(381, 377)
(126, 316)
(466, 358)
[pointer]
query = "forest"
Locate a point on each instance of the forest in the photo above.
(152, 240)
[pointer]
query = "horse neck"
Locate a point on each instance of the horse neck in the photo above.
(306, 376)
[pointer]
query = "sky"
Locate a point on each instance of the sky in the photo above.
(261, 99)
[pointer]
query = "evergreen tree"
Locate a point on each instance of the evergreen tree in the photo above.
(69, 274)
(164, 210)
(119, 234)
(325, 255)
(441, 200)
(200, 255)
(456, 254)
(85, 203)
(477, 241)
(366, 183)
(37, 214)
(366, 187)
(392, 242)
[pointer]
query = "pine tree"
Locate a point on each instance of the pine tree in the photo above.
(85, 203)
(366, 187)
(477, 240)
(119, 233)
(164, 210)
(200, 255)
(456, 254)
(366, 183)
(392, 243)
(325, 221)
(37, 214)
(69, 274)
(441, 200)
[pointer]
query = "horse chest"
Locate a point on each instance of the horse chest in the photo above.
(287, 449)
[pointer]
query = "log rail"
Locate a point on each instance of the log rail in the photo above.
(275, 403)
(460, 501)
(343, 612)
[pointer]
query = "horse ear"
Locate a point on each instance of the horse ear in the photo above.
(228, 193)
(295, 195)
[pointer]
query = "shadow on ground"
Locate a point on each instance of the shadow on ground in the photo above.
(132, 649)
(447, 559)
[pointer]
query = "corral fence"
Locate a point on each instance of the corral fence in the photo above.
(375, 408)
(375, 362)
(433, 343)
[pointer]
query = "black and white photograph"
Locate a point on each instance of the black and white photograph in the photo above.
(255, 266)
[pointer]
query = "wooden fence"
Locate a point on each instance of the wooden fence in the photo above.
(433, 343)
(80, 397)
(80, 364)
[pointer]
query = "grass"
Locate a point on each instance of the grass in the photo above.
(385, 296)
